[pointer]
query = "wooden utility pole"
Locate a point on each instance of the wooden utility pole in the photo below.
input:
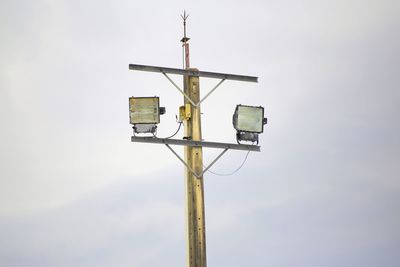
(193, 143)
(196, 234)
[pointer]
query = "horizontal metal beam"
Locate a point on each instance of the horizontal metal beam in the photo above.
(192, 72)
(181, 142)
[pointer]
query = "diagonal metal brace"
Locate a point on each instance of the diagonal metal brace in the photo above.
(187, 97)
(209, 93)
(190, 169)
(179, 89)
(214, 161)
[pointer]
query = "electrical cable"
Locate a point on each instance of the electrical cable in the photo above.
(179, 127)
(235, 171)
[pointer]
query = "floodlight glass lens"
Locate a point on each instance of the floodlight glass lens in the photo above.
(144, 110)
(250, 119)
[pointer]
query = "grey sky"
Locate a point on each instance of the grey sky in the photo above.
(324, 191)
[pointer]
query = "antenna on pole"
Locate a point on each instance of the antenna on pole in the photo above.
(185, 40)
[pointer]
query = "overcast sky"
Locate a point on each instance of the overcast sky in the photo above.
(324, 190)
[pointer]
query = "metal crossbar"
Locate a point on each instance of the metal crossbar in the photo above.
(193, 72)
(181, 142)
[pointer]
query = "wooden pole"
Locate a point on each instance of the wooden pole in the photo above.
(196, 232)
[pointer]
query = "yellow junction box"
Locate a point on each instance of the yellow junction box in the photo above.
(185, 112)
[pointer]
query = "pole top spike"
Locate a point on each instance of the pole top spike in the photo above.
(184, 17)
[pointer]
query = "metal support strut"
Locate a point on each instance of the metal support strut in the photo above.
(198, 175)
(187, 97)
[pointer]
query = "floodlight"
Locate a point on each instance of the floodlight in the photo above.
(144, 113)
(249, 122)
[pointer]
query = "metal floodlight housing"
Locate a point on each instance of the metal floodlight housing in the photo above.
(144, 110)
(249, 119)
(144, 113)
(249, 122)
